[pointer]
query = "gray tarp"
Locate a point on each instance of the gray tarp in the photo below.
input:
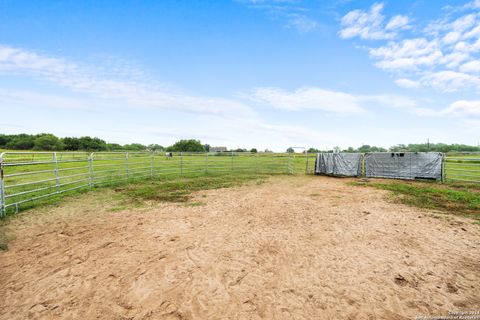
(404, 165)
(342, 164)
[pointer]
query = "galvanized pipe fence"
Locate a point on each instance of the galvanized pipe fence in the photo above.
(29, 176)
(462, 167)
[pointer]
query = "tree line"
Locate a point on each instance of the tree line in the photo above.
(412, 147)
(50, 142)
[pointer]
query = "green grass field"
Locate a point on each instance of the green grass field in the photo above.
(451, 198)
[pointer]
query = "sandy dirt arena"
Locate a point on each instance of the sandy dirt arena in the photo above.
(291, 248)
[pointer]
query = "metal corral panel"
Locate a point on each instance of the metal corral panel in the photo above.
(341, 164)
(404, 165)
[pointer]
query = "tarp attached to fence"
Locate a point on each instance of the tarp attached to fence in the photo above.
(342, 164)
(404, 165)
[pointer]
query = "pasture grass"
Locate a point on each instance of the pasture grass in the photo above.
(194, 204)
(453, 198)
(180, 190)
(4, 238)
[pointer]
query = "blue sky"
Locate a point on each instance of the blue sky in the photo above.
(243, 73)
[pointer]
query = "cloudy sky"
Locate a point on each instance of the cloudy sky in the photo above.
(243, 73)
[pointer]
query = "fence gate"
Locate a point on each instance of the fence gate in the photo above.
(462, 167)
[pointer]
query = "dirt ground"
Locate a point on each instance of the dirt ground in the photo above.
(291, 248)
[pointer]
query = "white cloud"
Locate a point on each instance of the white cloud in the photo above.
(454, 59)
(470, 67)
(302, 23)
(473, 4)
(408, 83)
(451, 23)
(100, 92)
(106, 90)
(398, 22)
(365, 24)
(407, 54)
(131, 91)
(444, 55)
(465, 108)
(451, 37)
(463, 23)
(335, 102)
(451, 80)
(399, 102)
(96, 90)
(309, 99)
(370, 24)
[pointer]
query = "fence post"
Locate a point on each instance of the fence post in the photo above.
(90, 169)
(151, 164)
(206, 162)
(306, 167)
(290, 168)
(288, 163)
(57, 179)
(126, 165)
(231, 156)
(2, 189)
(181, 163)
(256, 163)
(363, 173)
(274, 164)
(444, 169)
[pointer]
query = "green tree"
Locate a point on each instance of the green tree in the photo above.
(21, 142)
(290, 150)
(190, 145)
(114, 147)
(155, 147)
(350, 150)
(365, 148)
(71, 143)
(4, 140)
(47, 142)
(92, 144)
(398, 147)
(135, 147)
(253, 150)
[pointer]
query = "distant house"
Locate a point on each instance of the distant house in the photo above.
(218, 149)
